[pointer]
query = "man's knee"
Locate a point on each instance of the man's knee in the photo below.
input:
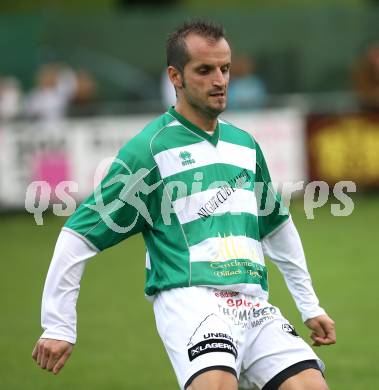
(214, 380)
(309, 379)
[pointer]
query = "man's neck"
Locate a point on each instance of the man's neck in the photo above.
(201, 120)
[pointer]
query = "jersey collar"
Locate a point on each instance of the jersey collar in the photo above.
(213, 139)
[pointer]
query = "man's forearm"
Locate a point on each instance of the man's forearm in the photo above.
(286, 251)
(58, 314)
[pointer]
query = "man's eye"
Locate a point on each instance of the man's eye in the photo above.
(203, 70)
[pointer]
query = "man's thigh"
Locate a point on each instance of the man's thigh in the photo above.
(309, 379)
(214, 380)
(274, 351)
(201, 343)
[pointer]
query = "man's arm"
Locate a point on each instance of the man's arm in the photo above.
(284, 248)
(104, 219)
(58, 314)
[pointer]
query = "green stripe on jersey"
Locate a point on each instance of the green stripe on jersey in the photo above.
(222, 225)
(172, 136)
(213, 139)
(234, 135)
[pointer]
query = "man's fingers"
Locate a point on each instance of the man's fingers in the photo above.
(329, 330)
(331, 333)
(39, 353)
(319, 331)
(330, 339)
(45, 357)
(35, 352)
(317, 341)
(53, 358)
(327, 340)
(61, 362)
(323, 330)
(51, 354)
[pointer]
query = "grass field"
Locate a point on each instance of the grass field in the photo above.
(118, 347)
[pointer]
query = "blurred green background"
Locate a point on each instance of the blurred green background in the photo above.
(118, 346)
(298, 45)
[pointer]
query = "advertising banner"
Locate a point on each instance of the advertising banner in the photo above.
(344, 147)
(70, 155)
(281, 135)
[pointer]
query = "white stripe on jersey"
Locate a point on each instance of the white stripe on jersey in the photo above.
(203, 153)
(240, 156)
(148, 262)
(193, 207)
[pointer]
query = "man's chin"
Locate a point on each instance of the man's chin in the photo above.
(217, 109)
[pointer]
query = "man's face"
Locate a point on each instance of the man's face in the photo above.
(206, 76)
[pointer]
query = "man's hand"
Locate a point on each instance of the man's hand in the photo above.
(52, 354)
(323, 328)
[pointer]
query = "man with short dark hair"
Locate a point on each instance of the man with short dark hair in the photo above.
(203, 183)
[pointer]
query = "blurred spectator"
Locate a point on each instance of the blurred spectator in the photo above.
(55, 86)
(83, 102)
(246, 89)
(366, 79)
(10, 98)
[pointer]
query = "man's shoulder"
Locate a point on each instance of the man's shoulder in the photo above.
(153, 128)
(232, 133)
(140, 144)
(157, 125)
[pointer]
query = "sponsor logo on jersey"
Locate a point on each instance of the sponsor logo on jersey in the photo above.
(241, 302)
(246, 316)
(288, 328)
(268, 310)
(212, 345)
(186, 158)
(232, 248)
(218, 335)
(261, 320)
(226, 294)
(239, 316)
(215, 202)
(224, 192)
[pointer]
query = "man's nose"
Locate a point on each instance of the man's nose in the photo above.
(219, 79)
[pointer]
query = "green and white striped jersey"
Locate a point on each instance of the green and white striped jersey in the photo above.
(195, 198)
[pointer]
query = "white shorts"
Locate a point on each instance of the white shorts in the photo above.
(203, 328)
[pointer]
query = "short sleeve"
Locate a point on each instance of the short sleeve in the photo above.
(119, 206)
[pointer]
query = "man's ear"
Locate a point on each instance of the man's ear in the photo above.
(175, 77)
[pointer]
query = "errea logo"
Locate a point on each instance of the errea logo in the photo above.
(185, 156)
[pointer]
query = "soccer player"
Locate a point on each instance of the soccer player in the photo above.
(199, 191)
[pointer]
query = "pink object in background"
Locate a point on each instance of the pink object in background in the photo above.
(52, 167)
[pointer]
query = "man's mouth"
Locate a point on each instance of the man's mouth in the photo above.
(217, 94)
